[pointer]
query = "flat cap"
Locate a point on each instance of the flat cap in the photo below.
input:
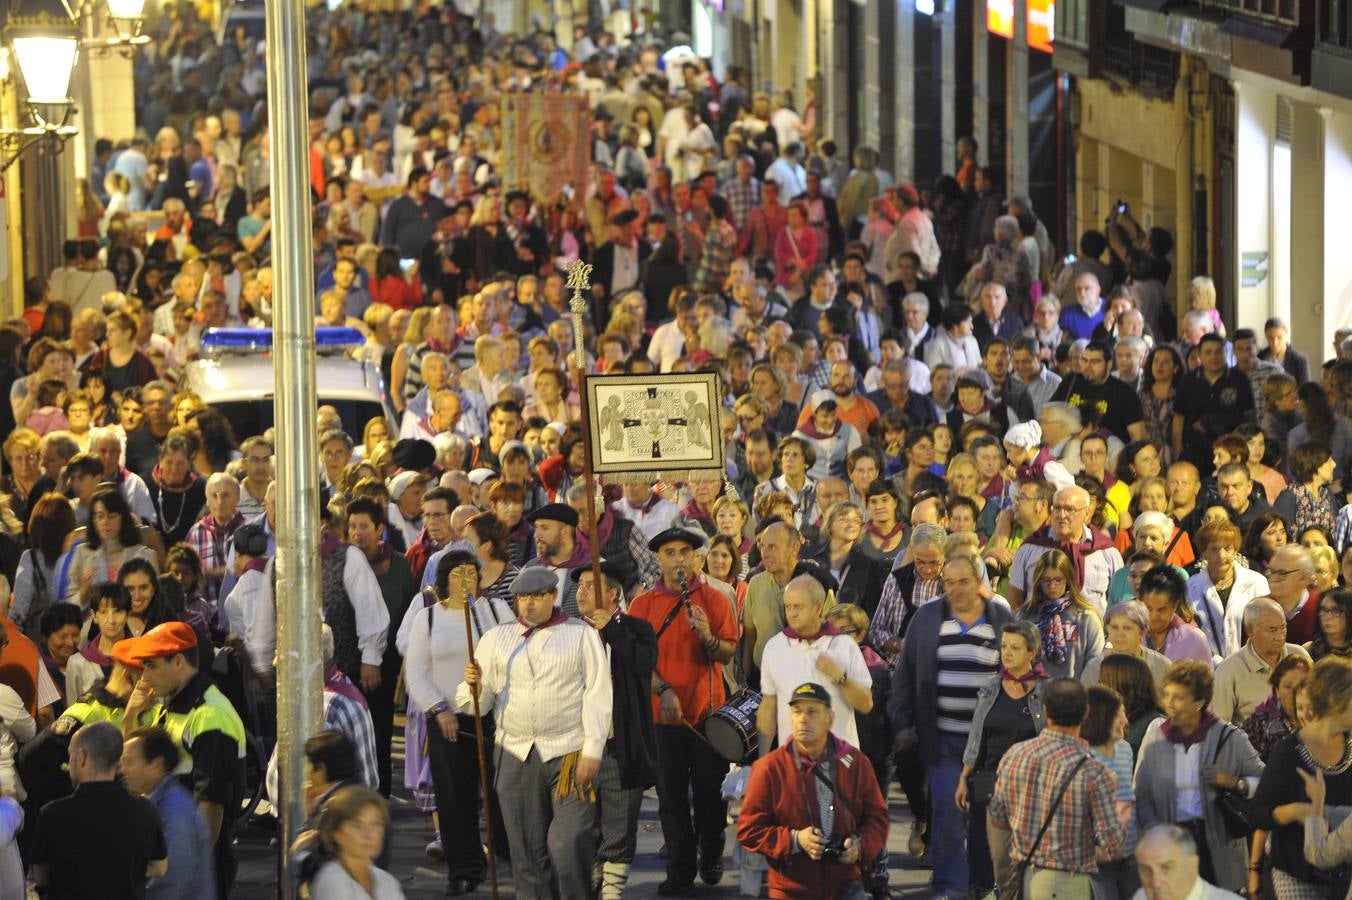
(694, 538)
(555, 512)
(162, 640)
(534, 580)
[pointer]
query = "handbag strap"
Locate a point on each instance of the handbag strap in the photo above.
(1056, 804)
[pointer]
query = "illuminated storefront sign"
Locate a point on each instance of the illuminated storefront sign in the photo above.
(1041, 19)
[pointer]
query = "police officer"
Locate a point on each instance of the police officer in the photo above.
(174, 695)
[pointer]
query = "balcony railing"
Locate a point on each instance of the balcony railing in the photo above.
(1278, 12)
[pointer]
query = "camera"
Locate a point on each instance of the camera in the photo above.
(833, 849)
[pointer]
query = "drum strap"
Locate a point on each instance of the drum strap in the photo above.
(671, 617)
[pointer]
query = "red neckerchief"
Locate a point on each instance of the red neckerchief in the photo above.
(176, 488)
(604, 526)
(873, 529)
(425, 541)
(827, 629)
(328, 544)
(811, 430)
(1078, 550)
(338, 683)
(558, 618)
(828, 755)
(694, 584)
(1027, 679)
(1174, 736)
(91, 652)
(212, 526)
(257, 564)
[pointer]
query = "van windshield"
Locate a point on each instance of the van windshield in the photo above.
(256, 416)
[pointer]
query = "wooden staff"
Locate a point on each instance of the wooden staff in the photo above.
(479, 742)
(578, 281)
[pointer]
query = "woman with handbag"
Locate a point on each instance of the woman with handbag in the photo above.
(1281, 803)
(1196, 771)
(1008, 710)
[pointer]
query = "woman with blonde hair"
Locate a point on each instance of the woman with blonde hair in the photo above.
(731, 517)
(847, 556)
(1072, 633)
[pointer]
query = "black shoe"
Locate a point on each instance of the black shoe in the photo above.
(458, 887)
(674, 887)
(711, 872)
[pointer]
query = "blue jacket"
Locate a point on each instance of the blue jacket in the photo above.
(190, 849)
(914, 701)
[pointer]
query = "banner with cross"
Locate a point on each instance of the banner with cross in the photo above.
(646, 427)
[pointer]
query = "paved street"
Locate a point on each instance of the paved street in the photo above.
(424, 878)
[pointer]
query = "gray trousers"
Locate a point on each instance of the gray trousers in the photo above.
(619, 813)
(553, 841)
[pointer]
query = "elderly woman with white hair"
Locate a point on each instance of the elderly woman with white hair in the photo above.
(1126, 625)
(1154, 532)
(1004, 261)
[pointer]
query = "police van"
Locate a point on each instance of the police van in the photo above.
(234, 373)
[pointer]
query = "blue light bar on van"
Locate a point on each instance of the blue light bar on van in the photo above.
(259, 340)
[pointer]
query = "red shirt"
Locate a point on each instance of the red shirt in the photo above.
(681, 660)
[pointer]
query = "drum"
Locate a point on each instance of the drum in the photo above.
(731, 729)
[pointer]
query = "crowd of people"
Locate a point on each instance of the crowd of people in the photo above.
(1067, 560)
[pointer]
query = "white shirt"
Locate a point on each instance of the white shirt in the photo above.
(786, 664)
(666, 346)
(409, 530)
(363, 591)
(250, 612)
(653, 522)
(553, 689)
(1188, 782)
(333, 883)
(436, 656)
(1201, 890)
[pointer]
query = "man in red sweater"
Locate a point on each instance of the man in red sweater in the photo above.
(812, 840)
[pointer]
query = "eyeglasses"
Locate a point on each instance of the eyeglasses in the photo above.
(1279, 574)
(1333, 611)
(258, 459)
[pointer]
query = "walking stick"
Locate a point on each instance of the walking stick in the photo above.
(483, 758)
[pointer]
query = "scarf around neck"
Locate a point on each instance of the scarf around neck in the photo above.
(1078, 550)
(1027, 679)
(827, 629)
(1052, 628)
(1187, 739)
(558, 618)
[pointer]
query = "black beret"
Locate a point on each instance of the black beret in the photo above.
(555, 512)
(694, 538)
(414, 453)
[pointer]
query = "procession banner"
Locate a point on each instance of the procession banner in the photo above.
(650, 427)
(546, 144)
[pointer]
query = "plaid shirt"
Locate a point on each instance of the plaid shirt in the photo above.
(720, 246)
(212, 541)
(1030, 776)
(1342, 530)
(742, 197)
(350, 718)
(1263, 370)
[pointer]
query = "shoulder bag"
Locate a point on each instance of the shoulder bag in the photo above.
(1016, 887)
(1234, 808)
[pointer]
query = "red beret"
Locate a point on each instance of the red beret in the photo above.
(162, 640)
(122, 652)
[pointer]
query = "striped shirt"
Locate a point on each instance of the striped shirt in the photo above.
(966, 657)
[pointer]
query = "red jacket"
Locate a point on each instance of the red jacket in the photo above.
(781, 798)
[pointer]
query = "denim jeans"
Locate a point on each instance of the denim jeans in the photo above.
(948, 833)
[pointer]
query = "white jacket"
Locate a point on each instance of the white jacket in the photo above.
(1223, 625)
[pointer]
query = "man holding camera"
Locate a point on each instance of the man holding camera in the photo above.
(813, 807)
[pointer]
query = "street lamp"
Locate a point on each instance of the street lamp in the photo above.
(44, 40)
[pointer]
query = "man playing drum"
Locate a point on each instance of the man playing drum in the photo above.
(809, 649)
(696, 637)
